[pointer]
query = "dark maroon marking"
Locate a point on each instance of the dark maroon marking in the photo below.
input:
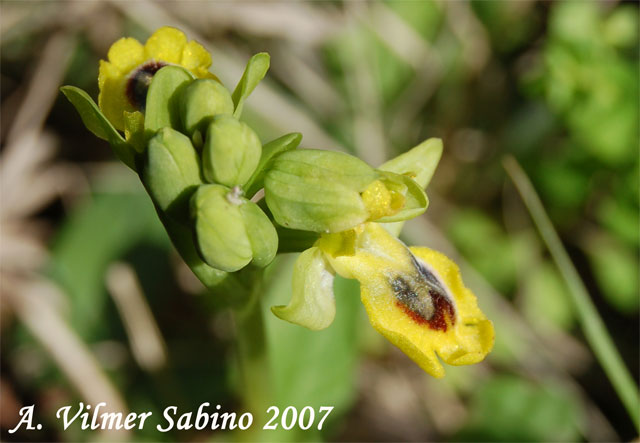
(423, 298)
(139, 81)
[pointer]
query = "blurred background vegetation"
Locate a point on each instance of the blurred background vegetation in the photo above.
(96, 306)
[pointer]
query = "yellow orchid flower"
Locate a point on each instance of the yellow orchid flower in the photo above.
(413, 296)
(124, 78)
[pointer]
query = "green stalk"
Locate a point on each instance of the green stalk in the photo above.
(592, 325)
(252, 352)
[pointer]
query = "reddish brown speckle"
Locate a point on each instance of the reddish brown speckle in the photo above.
(139, 82)
(443, 313)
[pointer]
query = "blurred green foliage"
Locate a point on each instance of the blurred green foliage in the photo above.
(514, 409)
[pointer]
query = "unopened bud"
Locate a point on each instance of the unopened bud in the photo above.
(201, 101)
(230, 230)
(231, 151)
(171, 171)
(319, 191)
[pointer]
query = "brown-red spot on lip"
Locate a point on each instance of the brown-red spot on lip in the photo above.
(423, 298)
(139, 81)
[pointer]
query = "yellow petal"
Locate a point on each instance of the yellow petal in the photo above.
(416, 299)
(312, 304)
(112, 99)
(126, 54)
(166, 44)
(196, 59)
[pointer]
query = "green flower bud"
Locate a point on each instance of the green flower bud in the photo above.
(318, 191)
(201, 101)
(230, 230)
(161, 103)
(171, 171)
(261, 232)
(231, 151)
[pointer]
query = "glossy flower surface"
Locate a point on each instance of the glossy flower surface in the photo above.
(124, 78)
(413, 296)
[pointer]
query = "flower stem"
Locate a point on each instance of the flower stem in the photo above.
(592, 325)
(252, 352)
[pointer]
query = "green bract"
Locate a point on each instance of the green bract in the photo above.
(256, 69)
(171, 171)
(231, 151)
(231, 231)
(269, 151)
(96, 122)
(201, 101)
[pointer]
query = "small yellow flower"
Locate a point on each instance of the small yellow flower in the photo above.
(124, 79)
(413, 296)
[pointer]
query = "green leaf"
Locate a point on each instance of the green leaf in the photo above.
(255, 71)
(285, 143)
(97, 233)
(163, 99)
(96, 122)
(615, 266)
(546, 300)
(513, 409)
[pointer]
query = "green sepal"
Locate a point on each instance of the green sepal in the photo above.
(281, 144)
(162, 107)
(416, 201)
(319, 191)
(95, 121)
(231, 151)
(256, 69)
(312, 303)
(220, 233)
(261, 232)
(171, 172)
(420, 163)
(201, 101)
